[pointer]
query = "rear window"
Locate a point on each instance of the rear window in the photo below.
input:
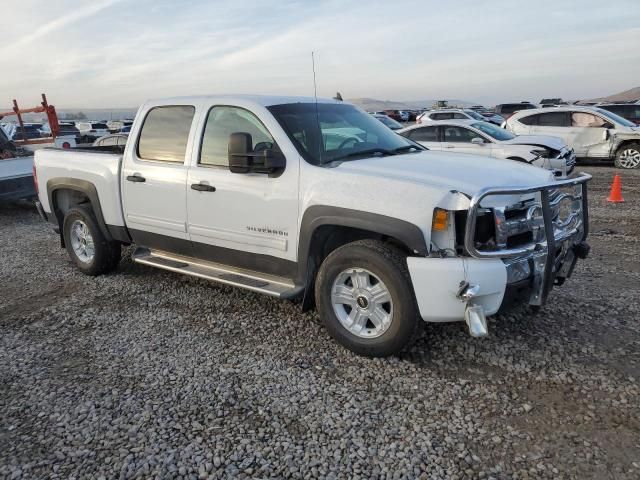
(165, 132)
(99, 125)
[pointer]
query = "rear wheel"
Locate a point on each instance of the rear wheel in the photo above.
(87, 246)
(628, 156)
(365, 298)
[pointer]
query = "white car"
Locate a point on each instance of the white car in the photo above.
(483, 138)
(370, 227)
(93, 129)
(592, 132)
(449, 114)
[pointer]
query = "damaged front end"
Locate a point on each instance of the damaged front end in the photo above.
(506, 240)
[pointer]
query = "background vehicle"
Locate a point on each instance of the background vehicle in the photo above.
(630, 111)
(313, 198)
(483, 138)
(117, 139)
(397, 115)
(389, 122)
(92, 130)
(592, 132)
(505, 110)
(31, 131)
(449, 114)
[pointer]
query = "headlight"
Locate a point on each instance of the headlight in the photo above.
(518, 271)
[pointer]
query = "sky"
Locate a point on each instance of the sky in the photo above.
(117, 53)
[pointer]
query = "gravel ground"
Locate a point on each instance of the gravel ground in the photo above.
(149, 374)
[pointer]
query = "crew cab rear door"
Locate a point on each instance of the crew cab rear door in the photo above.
(246, 220)
(154, 178)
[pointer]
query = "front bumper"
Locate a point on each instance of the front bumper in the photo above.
(446, 288)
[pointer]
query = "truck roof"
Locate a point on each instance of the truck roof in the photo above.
(262, 100)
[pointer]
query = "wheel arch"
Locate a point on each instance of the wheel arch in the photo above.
(325, 228)
(65, 193)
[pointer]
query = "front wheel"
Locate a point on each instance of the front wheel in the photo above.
(365, 298)
(87, 246)
(628, 156)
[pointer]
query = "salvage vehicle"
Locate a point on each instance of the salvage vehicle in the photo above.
(630, 111)
(449, 114)
(592, 132)
(375, 231)
(483, 138)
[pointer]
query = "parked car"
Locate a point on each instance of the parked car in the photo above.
(30, 132)
(449, 114)
(492, 117)
(389, 122)
(592, 132)
(375, 231)
(483, 138)
(505, 110)
(397, 115)
(69, 129)
(630, 111)
(111, 140)
(93, 129)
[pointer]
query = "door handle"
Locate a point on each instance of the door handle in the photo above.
(201, 187)
(136, 178)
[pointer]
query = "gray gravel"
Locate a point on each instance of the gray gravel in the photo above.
(148, 374)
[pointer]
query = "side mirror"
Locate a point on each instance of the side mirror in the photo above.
(242, 158)
(477, 141)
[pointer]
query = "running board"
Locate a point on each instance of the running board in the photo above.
(257, 282)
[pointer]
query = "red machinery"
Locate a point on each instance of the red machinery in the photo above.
(52, 117)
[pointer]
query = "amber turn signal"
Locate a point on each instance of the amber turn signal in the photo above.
(440, 218)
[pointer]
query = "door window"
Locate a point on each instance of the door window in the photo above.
(458, 115)
(165, 132)
(582, 119)
(459, 135)
(221, 123)
(424, 134)
(553, 119)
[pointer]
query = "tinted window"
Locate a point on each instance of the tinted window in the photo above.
(99, 126)
(424, 134)
(530, 120)
(441, 116)
(221, 123)
(165, 132)
(582, 119)
(553, 119)
(459, 115)
(459, 134)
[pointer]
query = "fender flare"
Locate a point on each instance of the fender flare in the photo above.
(82, 186)
(321, 215)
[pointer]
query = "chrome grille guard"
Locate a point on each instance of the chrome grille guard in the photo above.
(556, 234)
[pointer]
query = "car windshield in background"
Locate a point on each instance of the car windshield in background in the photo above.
(99, 126)
(474, 115)
(616, 118)
(493, 131)
(328, 132)
(390, 122)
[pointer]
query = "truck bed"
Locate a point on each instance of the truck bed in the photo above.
(16, 179)
(98, 167)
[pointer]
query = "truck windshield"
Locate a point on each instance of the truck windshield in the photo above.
(329, 132)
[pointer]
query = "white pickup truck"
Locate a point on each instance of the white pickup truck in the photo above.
(317, 200)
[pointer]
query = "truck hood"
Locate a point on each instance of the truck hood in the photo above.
(450, 171)
(537, 140)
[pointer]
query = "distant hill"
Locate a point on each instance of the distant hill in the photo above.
(627, 95)
(374, 105)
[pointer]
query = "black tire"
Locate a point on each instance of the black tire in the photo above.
(390, 265)
(621, 150)
(107, 253)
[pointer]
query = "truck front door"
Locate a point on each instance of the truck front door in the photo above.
(246, 220)
(154, 177)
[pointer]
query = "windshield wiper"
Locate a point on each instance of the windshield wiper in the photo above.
(369, 151)
(406, 148)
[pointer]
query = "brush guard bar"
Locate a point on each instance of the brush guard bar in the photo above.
(550, 255)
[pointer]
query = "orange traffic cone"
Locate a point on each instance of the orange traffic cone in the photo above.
(616, 191)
